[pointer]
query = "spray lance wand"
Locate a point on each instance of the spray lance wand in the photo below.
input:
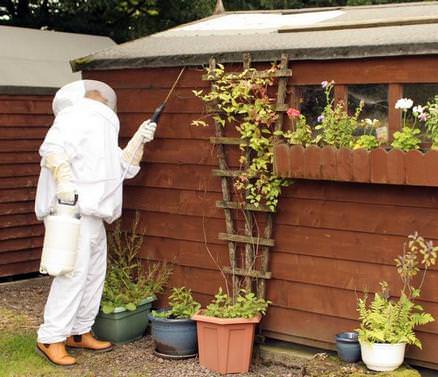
(157, 113)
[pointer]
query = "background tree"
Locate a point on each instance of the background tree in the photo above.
(124, 20)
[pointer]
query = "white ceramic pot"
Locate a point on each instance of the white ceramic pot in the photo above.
(382, 357)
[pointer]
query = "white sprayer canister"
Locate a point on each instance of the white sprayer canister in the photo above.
(60, 241)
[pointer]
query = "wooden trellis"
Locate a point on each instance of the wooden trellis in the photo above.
(248, 264)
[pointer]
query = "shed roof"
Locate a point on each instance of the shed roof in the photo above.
(33, 58)
(317, 33)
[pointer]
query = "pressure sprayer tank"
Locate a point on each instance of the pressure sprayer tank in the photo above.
(60, 240)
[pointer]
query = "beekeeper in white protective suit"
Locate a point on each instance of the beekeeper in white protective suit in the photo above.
(80, 156)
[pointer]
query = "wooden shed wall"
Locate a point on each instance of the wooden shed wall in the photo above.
(333, 240)
(24, 120)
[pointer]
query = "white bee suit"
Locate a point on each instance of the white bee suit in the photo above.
(85, 131)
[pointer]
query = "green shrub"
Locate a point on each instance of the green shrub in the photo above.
(246, 305)
(127, 282)
(182, 305)
(386, 320)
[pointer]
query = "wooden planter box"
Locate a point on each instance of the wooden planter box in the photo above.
(377, 166)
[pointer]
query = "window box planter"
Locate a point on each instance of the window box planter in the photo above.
(174, 338)
(225, 344)
(123, 326)
(377, 166)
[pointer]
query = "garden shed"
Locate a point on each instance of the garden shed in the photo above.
(33, 65)
(335, 235)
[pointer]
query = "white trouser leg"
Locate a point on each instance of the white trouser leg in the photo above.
(92, 295)
(66, 292)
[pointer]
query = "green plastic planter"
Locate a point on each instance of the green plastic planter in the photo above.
(123, 326)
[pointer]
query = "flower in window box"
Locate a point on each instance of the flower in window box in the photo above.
(404, 104)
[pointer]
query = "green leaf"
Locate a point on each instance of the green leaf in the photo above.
(108, 308)
(131, 306)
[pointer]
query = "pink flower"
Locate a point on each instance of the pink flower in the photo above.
(422, 117)
(325, 83)
(293, 113)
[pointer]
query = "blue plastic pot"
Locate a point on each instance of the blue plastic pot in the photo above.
(348, 347)
(174, 337)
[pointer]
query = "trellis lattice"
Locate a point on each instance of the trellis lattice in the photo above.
(248, 252)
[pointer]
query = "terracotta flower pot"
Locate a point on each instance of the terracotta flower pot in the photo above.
(225, 344)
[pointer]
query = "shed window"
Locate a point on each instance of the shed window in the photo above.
(420, 93)
(375, 98)
(312, 102)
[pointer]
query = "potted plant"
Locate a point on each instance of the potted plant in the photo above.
(387, 324)
(173, 330)
(129, 288)
(226, 331)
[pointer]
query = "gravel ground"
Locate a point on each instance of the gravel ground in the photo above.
(131, 360)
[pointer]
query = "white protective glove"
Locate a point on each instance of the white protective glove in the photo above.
(147, 130)
(60, 168)
(133, 152)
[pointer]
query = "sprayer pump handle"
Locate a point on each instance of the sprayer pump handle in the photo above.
(69, 203)
(157, 113)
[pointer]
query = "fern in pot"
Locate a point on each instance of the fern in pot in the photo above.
(226, 331)
(388, 324)
(172, 329)
(129, 288)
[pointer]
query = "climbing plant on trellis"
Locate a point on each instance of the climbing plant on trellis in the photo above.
(250, 192)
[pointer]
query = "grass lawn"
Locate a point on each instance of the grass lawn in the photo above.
(18, 356)
(17, 349)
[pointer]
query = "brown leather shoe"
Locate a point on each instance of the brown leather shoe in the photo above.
(56, 354)
(89, 342)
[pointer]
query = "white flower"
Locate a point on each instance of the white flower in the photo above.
(404, 103)
(418, 109)
(372, 123)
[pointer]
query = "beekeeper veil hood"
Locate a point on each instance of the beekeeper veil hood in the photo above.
(71, 93)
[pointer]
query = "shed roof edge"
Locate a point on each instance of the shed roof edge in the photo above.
(27, 90)
(334, 53)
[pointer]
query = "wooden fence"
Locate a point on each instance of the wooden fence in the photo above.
(24, 120)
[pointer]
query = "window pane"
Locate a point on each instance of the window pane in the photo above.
(312, 102)
(420, 93)
(375, 98)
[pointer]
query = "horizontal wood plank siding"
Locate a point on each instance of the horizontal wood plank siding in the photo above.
(24, 121)
(332, 240)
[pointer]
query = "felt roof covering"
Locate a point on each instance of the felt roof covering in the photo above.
(32, 58)
(305, 34)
